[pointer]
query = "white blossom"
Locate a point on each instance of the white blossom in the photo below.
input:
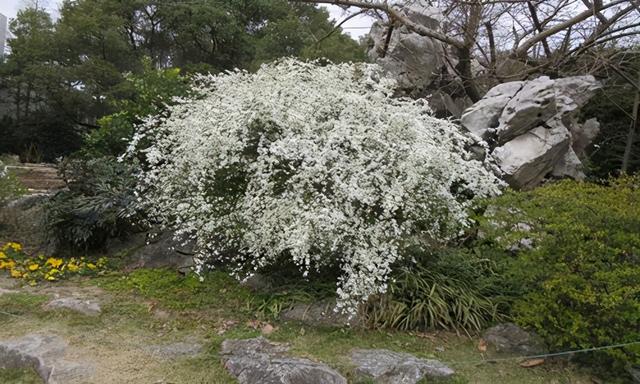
(320, 164)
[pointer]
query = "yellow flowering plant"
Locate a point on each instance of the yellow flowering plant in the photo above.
(21, 265)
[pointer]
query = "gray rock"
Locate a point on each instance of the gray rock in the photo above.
(86, 307)
(388, 367)
(175, 350)
(569, 166)
(411, 59)
(21, 220)
(44, 354)
(484, 115)
(154, 250)
(257, 282)
(583, 135)
(532, 105)
(29, 201)
(528, 158)
(258, 361)
(532, 127)
(511, 339)
(578, 89)
(320, 313)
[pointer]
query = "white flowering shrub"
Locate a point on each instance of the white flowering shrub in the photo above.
(318, 164)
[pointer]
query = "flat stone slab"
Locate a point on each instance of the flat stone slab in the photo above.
(6, 291)
(320, 313)
(388, 367)
(175, 350)
(86, 307)
(259, 361)
(44, 354)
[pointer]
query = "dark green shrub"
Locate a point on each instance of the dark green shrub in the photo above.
(581, 279)
(449, 289)
(98, 204)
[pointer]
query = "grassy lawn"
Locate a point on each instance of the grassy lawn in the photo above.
(151, 307)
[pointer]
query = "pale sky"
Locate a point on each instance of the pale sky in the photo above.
(356, 27)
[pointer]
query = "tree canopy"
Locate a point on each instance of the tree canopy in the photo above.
(63, 76)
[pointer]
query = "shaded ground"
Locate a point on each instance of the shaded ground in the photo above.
(151, 308)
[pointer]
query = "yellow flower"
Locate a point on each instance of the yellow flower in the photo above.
(2, 255)
(73, 267)
(7, 264)
(33, 267)
(91, 266)
(15, 246)
(53, 262)
(16, 274)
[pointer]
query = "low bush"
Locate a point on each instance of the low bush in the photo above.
(99, 203)
(581, 278)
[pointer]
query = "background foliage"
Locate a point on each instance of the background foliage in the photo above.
(62, 77)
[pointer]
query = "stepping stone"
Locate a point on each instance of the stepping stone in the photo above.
(86, 307)
(388, 367)
(175, 350)
(259, 361)
(44, 354)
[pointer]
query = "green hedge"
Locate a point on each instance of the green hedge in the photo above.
(580, 281)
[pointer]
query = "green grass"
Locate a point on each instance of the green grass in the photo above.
(19, 376)
(200, 309)
(18, 304)
(204, 304)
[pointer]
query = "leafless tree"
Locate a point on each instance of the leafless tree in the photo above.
(541, 35)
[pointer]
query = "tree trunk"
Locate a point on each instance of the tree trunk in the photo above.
(633, 131)
(464, 70)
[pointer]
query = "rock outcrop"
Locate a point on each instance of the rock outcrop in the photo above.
(259, 361)
(532, 127)
(387, 367)
(406, 56)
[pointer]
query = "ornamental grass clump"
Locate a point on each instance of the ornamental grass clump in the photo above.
(320, 165)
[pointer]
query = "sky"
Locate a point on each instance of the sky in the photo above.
(356, 27)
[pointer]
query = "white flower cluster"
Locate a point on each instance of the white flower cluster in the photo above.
(318, 164)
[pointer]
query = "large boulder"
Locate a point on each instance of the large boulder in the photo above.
(259, 361)
(528, 158)
(531, 106)
(387, 367)
(485, 114)
(532, 127)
